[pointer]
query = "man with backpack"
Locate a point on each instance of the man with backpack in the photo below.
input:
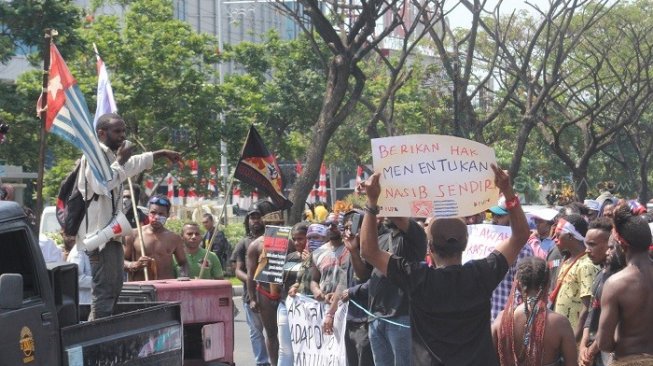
(107, 260)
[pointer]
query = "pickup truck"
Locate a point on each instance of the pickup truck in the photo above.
(40, 313)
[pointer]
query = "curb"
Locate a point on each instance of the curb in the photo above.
(237, 290)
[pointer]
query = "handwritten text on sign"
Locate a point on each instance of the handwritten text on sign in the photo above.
(482, 239)
(434, 175)
(309, 345)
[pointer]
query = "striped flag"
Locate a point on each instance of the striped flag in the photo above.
(192, 195)
(322, 191)
(212, 187)
(255, 196)
(235, 195)
(68, 117)
(193, 167)
(171, 187)
(359, 178)
(149, 186)
(105, 102)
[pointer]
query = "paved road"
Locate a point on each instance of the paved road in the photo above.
(243, 355)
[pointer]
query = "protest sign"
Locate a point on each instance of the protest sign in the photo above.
(433, 176)
(482, 239)
(275, 247)
(309, 344)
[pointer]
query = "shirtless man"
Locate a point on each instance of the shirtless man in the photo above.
(627, 299)
(160, 245)
(263, 298)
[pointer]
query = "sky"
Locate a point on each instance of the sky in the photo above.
(460, 17)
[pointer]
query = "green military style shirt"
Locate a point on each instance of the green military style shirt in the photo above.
(194, 261)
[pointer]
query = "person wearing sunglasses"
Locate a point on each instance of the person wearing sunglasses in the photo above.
(160, 246)
(107, 262)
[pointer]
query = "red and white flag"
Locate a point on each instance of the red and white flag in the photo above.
(254, 196)
(193, 165)
(171, 187)
(235, 196)
(298, 167)
(105, 101)
(322, 191)
(149, 186)
(192, 196)
(212, 187)
(359, 178)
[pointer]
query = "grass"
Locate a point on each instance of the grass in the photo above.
(234, 281)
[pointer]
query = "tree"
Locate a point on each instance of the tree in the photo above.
(608, 87)
(503, 60)
(351, 32)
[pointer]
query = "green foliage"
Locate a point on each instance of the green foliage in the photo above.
(53, 178)
(234, 233)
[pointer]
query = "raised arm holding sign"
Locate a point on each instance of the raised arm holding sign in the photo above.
(462, 316)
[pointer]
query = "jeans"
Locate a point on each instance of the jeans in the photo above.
(107, 272)
(391, 344)
(256, 336)
(286, 355)
(357, 344)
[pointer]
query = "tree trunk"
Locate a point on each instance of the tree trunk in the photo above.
(522, 138)
(643, 182)
(337, 97)
(581, 186)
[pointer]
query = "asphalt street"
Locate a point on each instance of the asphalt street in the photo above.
(243, 355)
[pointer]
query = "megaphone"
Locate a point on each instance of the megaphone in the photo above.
(117, 227)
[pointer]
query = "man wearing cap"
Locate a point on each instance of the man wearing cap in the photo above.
(540, 239)
(573, 289)
(450, 304)
(254, 228)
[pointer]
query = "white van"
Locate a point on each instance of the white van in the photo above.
(49, 223)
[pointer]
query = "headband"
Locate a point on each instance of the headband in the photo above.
(619, 238)
(565, 227)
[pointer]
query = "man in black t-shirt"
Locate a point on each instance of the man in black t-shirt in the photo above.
(450, 304)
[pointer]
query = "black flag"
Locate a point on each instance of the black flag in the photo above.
(258, 167)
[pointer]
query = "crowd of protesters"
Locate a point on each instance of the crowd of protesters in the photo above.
(572, 286)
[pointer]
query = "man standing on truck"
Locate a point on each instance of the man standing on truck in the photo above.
(107, 261)
(160, 245)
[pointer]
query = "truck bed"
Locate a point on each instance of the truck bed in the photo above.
(138, 334)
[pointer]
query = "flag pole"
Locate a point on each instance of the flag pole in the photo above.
(209, 247)
(49, 35)
(138, 225)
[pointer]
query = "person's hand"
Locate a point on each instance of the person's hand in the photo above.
(329, 297)
(292, 291)
(305, 254)
(586, 357)
(345, 295)
(327, 325)
(319, 296)
(205, 263)
(351, 242)
(142, 262)
(173, 156)
(372, 188)
(253, 305)
(502, 180)
(124, 152)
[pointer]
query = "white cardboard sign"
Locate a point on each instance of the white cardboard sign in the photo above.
(434, 176)
(482, 239)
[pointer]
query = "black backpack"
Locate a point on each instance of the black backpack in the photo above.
(71, 206)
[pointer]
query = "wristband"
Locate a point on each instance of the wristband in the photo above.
(374, 210)
(512, 203)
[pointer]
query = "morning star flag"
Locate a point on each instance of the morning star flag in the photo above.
(258, 167)
(105, 102)
(67, 116)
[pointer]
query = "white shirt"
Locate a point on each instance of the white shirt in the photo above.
(50, 250)
(100, 211)
(85, 276)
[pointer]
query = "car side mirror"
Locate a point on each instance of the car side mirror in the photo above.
(11, 291)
